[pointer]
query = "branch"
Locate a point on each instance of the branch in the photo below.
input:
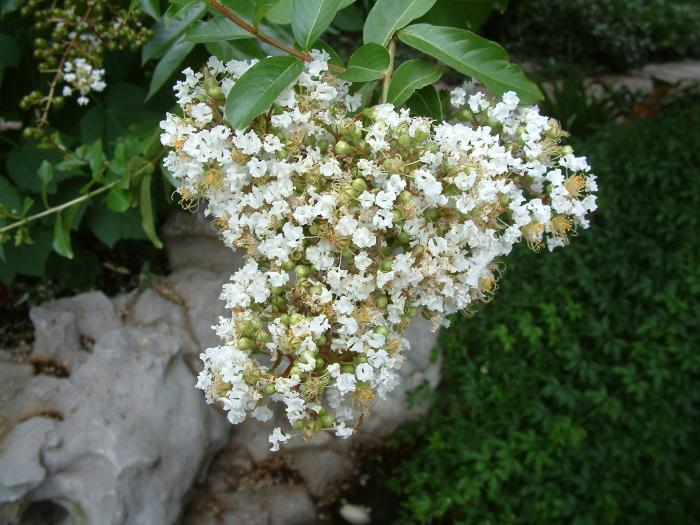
(386, 78)
(233, 17)
(56, 209)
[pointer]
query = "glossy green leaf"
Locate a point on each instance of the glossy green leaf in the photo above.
(95, 158)
(10, 198)
(426, 103)
(465, 14)
(310, 18)
(474, 56)
(61, 238)
(118, 200)
(258, 88)
(367, 63)
(168, 65)
(334, 56)
(280, 13)
(388, 16)
(45, 175)
(409, 77)
(150, 7)
(261, 9)
(167, 32)
(177, 10)
(214, 30)
(146, 208)
(235, 50)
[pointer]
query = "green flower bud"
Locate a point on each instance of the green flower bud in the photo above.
(298, 425)
(263, 337)
(297, 318)
(465, 115)
(403, 237)
(349, 369)
(342, 148)
(567, 150)
(359, 184)
(326, 421)
(288, 265)
(397, 214)
(387, 264)
(382, 301)
(314, 230)
(270, 389)
(285, 319)
(405, 196)
(302, 270)
(431, 215)
(319, 363)
(381, 330)
(244, 343)
(317, 290)
(411, 311)
(278, 290)
(322, 340)
(322, 145)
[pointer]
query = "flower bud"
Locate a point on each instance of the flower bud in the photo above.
(382, 301)
(244, 343)
(270, 389)
(302, 270)
(403, 237)
(387, 264)
(342, 148)
(326, 421)
(359, 184)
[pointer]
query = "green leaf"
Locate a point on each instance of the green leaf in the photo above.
(178, 9)
(61, 238)
(8, 6)
(472, 55)
(167, 32)
(9, 51)
(168, 65)
(10, 198)
(258, 88)
(310, 18)
(110, 227)
(426, 103)
(214, 30)
(388, 16)
(118, 200)
(27, 259)
(45, 174)
(236, 50)
(334, 56)
(261, 9)
(465, 14)
(150, 7)
(146, 209)
(367, 63)
(95, 158)
(409, 77)
(280, 13)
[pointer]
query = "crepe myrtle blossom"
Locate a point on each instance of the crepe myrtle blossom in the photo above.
(82, 77)
(352, 224)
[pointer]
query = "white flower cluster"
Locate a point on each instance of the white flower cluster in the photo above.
(81, 76)
(354, 223)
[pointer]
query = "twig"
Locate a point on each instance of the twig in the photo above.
(386, 80)
(233, 17)
(56, 209)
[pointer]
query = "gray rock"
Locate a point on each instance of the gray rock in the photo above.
(192, 242)
(321, 470)
(61, 326)
(131, 441)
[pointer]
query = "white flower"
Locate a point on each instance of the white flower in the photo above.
(276, 438)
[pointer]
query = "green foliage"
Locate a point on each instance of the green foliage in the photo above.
(600, 34)
(367, 63)
(574, 396)
(474, 56)
(258, 88)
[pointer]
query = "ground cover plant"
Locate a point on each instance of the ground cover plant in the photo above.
(573, 398)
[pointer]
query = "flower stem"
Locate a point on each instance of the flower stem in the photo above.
(233, 17)
(56, 209)
(386, 80)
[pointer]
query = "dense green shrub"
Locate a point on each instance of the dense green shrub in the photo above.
(600, 34)
(575, 396)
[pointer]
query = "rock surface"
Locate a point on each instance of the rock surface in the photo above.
(104, 425)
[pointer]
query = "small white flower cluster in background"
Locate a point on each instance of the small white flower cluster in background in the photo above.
(353, 224)
(81, 76)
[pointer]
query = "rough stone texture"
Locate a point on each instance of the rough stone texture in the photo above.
(124, 436)
(106, 443)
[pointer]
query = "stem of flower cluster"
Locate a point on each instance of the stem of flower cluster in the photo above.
(386, 80)
(233, 17)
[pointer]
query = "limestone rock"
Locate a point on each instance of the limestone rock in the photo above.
(128, 439)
